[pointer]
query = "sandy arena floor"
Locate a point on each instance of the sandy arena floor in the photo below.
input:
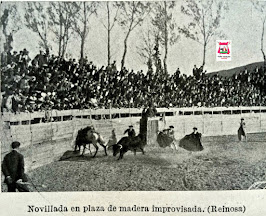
(224, 164)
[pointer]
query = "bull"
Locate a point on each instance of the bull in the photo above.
(129, 143)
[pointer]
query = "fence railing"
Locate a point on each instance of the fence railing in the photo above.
(101, 114)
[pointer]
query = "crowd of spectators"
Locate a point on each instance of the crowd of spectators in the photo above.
(49, 82)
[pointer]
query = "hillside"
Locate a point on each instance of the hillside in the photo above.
(237, 70)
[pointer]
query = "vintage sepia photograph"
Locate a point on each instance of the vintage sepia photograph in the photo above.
(133, 96)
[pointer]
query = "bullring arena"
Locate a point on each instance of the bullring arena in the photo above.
(224, 164)
(67, 65)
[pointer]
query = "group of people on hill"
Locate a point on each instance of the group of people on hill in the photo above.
(52, 82)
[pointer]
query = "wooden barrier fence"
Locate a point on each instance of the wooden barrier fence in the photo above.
(45, 136)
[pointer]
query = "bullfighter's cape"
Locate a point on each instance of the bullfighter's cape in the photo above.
(191, 142)
(164, 140)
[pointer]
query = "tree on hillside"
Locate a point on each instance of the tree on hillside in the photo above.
(260, 6)
(165, 24)
(146, 49)
(132, 15)
(157, 55)
(36, 19)
(111, 20)
(206, 18)
(10, 24)
(62, 16)
(81, 25)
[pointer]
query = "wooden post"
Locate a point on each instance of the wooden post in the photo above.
(152, 129)
(90, 116)
(260, 120)
(110, 115)
(184, 126)
(222, 117)
(1, 92)
(203, 124)
(221, 127)
(130, 115)
(31, 145)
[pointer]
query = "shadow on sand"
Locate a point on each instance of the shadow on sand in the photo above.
(71, 155)
(74, 156)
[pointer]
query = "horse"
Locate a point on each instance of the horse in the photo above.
(86, 136)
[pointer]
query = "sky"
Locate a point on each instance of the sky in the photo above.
(241, 25)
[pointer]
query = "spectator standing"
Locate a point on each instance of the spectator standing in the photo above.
(195, 71)
(41, 59)
(241, 130)
(13, 169)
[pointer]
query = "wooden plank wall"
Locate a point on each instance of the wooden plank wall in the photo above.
(44, 142)
(215, 125)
